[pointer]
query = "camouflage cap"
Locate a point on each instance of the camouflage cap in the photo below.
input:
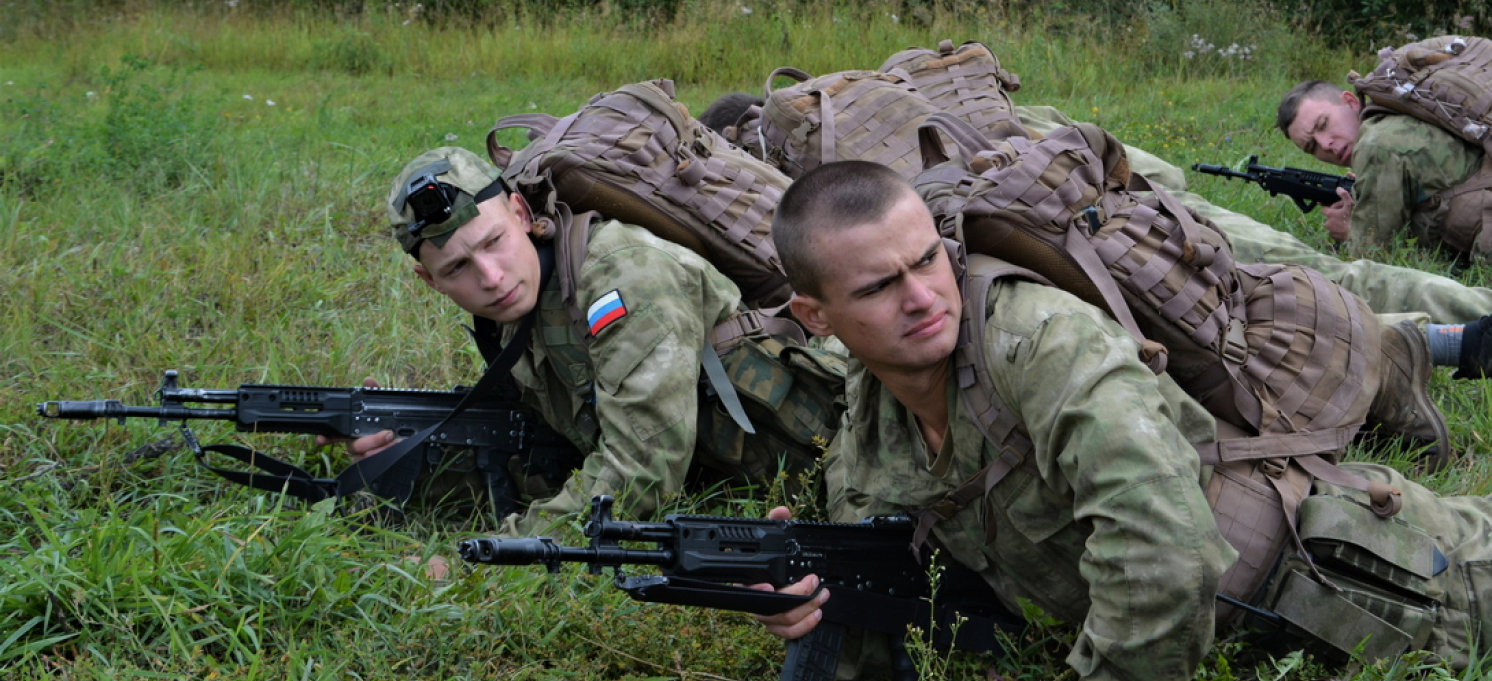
(459, 169)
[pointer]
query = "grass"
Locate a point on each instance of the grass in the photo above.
(157, 211)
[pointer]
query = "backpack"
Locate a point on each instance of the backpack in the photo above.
(865, 115)
(966, 82)
(1445, 81)
(635, 155)
(1283, 358)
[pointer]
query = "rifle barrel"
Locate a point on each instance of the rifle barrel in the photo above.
(543, 551)
(111, 409)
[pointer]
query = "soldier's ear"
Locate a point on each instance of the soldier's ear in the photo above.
(810, 313)
(424, 274)
(1350, 100)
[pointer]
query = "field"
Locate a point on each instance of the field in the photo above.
(201, 189)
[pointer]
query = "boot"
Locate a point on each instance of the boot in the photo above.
(1402, 406)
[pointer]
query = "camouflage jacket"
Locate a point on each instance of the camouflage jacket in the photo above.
(630, 400)
(1401, 163)
(1104, 525)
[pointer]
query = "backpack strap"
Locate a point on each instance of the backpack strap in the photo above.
(977, 392)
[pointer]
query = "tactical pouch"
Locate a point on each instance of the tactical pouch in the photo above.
(1381, 568)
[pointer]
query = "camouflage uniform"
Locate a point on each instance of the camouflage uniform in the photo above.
(1401, 162)
(1106, 524)
(631, 400)
(1386, 289)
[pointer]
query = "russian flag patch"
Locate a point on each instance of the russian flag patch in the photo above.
(607, 309)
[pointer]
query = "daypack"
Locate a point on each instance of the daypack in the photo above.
(967, 82)
(866, 115)
(1445, 81)
(637, 156)
(1291, 366)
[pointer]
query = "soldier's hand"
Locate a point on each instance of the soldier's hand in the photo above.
(1339, 216)
(802, 619)
(367, 445)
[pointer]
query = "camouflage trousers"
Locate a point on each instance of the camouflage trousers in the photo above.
(1385, 288)
(1419, 580)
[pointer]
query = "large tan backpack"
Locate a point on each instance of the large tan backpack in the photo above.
(1286, 360)
(966, 81)
(1445, 81)
(637, 156)
(866, 115)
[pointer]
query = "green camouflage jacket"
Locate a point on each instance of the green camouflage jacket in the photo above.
(630, 400)
(1401, 162)
(1105, 525)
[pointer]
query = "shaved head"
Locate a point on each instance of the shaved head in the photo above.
(832, 196)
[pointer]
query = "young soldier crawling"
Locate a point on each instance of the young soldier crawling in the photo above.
(1093, 504)
(629, 395)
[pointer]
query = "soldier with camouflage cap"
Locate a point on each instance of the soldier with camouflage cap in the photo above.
(1104, 523)
(630, 399)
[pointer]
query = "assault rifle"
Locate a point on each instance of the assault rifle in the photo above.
(875, 581)
(1307, 188)
(494, 426)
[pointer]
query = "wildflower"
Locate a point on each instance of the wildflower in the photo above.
(895, 19)
(745, 10)
(450, 137)
(249, 97)
(89, 94)
(1411, 37)
(1188, 54)
(231, 3)
(269, 102)
(532, 105)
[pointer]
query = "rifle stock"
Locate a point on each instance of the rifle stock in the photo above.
(874, 580)
(494, 426)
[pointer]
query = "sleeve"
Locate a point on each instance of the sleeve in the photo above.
(645, 363)
(1383, 191)
(1109, 435)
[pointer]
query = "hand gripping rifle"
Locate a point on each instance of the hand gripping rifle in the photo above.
(493, 424)
(1307, 188)
(873, 578)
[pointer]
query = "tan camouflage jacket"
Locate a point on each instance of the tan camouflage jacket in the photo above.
(630, 400)
(1401, 163)
(1106, 525)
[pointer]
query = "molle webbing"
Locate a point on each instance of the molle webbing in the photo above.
(1446, 80)
(966, 82)
(1058, 206)
(636, 156)
(865, 115)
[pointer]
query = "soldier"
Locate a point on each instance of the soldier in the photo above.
(630, 399)
(1402, 163)
(1104, 523)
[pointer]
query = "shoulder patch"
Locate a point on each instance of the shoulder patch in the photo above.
(607, 309)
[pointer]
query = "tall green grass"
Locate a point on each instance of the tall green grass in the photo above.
(156, 211)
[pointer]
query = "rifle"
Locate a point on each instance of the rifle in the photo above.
(494, 425)
(1307, 188)
(875, 580)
